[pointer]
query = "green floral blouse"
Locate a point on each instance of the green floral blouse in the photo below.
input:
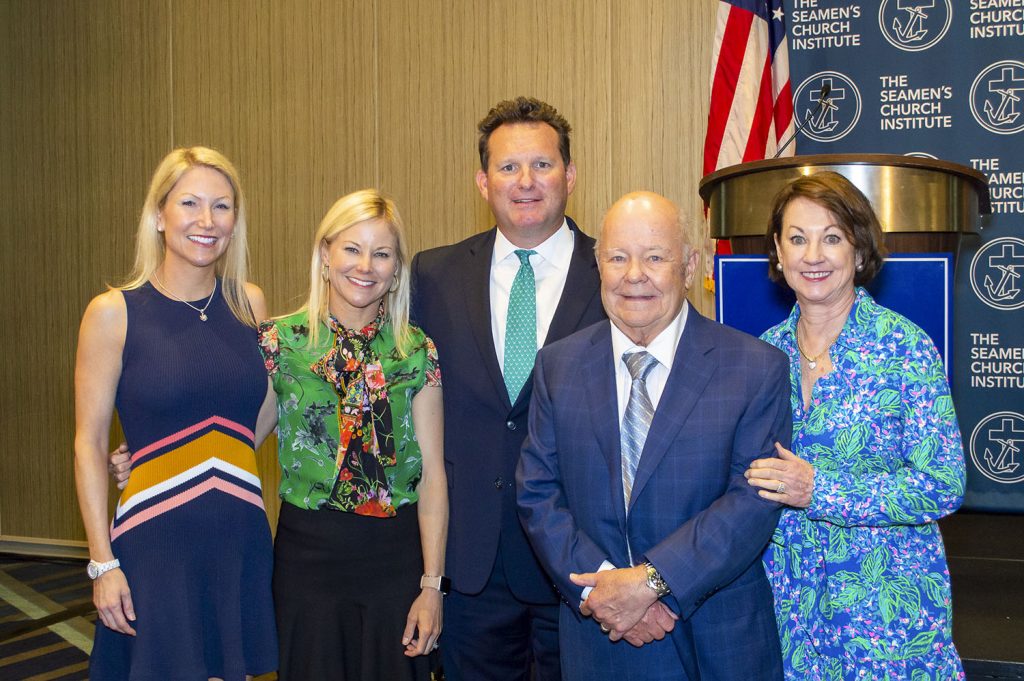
(307, 406)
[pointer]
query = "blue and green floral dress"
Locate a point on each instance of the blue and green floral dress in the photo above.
(860, 577)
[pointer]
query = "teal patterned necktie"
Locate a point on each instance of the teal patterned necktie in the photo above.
(636, 422)
(521, 327)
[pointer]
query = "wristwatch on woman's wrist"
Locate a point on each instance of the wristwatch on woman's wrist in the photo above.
(439, 582)
(95, 568)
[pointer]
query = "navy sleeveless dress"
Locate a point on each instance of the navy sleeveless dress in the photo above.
(190, 528)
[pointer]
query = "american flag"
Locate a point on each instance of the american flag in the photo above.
(751, 98)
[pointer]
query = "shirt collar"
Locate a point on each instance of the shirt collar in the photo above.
(556, 249)
(664, 345)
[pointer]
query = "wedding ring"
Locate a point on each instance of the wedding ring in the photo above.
(781, 489)
(605, 629)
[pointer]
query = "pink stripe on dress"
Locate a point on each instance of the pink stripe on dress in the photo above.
(182, 434)
(183, 498)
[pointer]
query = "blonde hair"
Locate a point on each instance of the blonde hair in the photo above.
(365, 204)
(232, 267)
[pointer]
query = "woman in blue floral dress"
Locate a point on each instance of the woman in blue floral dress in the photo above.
(857, 562)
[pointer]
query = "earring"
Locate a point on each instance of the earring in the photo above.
(778, 266)
(860, 267)
(394, 286)
(325, 273)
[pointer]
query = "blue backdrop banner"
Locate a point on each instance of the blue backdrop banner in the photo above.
(919, 287)
(944, 79)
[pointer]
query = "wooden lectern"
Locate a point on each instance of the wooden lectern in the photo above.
(923, 204)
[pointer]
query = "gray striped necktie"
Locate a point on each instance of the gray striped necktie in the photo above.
(637, 419)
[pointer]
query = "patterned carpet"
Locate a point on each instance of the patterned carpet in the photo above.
(47, 620)
(58, 591)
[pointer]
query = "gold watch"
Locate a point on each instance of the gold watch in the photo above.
(655, 581)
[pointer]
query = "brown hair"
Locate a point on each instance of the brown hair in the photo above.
(853, 214)
(523, 110)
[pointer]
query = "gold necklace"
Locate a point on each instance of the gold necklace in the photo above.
(812, 362)
(202, 310)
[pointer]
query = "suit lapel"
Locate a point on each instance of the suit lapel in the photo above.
(477, 291)
(694, 365)
(581, 285)
(604, 414)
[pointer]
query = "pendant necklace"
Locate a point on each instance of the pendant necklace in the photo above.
(202, 310)
(812, 362)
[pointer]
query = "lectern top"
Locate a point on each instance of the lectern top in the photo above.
(909, 193)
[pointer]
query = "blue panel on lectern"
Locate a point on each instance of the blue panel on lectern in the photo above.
(920, 287)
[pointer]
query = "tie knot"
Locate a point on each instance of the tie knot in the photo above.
(639, 364)
(524, 256)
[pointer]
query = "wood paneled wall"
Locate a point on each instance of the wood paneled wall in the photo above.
(311, 99)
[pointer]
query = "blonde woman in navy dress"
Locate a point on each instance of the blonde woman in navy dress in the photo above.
(182, 574)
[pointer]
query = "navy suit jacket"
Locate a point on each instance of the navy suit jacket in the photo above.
(483, 429)
(692, 514)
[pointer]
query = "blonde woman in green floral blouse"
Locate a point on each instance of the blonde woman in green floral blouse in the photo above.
(360, 542)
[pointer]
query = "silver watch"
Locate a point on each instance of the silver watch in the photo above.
(95, 568)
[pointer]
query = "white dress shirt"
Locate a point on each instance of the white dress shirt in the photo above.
(550, 269)
(663, 347)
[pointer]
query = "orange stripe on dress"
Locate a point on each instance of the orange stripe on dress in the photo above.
(176, 462)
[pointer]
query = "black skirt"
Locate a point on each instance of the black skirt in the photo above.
(343, 586)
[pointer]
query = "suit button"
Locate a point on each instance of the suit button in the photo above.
(511, 425)
(499, 483)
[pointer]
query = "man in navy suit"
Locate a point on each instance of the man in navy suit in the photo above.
(630, 483)
(501, 614)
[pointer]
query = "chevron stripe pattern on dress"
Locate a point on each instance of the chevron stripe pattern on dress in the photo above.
(214, 455)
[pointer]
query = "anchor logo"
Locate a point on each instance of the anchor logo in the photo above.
(1006, 87)
(996, 446)
(996, 271)
(838, 113)
(996, 97)
(825, 122)
(911, 25)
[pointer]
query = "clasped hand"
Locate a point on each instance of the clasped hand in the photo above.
(624, 606)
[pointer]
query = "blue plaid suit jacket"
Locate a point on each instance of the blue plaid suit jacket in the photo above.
(692, 514)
